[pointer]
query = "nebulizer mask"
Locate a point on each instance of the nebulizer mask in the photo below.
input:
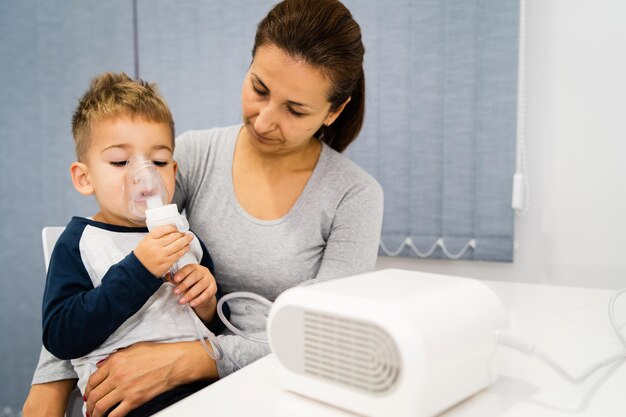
(146, 196)
(147, 201)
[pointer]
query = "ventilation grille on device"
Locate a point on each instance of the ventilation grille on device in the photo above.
(349, 352)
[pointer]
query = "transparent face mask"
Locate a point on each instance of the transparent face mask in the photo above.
(143, 188)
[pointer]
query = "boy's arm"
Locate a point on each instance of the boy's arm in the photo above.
(77, 317)
(197, 286)
(214, 324)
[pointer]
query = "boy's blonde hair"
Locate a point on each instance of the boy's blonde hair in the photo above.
(113, 95)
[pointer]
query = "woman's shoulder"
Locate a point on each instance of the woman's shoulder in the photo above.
(342, 171)
(343, 186)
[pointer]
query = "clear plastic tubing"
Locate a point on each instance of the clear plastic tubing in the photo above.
(252, 296)
(241, 294)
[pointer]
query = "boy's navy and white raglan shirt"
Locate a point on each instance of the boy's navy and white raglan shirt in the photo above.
(100, 298)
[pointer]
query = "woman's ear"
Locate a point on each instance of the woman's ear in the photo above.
(333, 115)
(80, 178)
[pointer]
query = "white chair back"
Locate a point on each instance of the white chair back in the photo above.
(49, 237)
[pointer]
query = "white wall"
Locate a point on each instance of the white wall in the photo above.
(574, 232)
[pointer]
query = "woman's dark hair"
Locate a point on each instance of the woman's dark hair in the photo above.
(324, 34)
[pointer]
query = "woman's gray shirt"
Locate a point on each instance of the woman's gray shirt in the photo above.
(331, 231)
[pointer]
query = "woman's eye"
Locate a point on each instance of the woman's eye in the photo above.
(295, 113)
(118, 163)
(160, 163)
(259, 92)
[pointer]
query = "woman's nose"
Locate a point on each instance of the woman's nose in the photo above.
(266, 120)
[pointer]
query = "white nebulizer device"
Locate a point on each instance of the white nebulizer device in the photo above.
(146, 195)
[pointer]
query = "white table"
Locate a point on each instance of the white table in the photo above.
(570, 324)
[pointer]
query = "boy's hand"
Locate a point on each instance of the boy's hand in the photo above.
(197, 286)
(161, 248)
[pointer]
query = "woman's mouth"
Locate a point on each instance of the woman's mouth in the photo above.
(261, 138)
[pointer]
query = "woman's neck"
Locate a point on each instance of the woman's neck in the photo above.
(301, 159)
(267, 185)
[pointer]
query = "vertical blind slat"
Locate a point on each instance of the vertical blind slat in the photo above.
(441, 124)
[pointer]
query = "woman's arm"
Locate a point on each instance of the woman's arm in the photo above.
(132, 376)
(352, 246)
(48, 399)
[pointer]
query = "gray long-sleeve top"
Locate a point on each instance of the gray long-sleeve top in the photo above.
(331, 231)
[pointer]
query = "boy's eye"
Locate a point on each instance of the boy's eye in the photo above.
(119, 163)
(160, 163)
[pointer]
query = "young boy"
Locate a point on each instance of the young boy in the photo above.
(103, 290)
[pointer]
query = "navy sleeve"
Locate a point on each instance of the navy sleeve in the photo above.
(206, 260)
(77, 317)
(215, 326)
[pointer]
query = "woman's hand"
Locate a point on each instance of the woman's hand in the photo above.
(130, 377)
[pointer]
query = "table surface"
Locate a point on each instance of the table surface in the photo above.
(569, 324)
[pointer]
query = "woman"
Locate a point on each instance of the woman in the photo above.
(273, 199)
